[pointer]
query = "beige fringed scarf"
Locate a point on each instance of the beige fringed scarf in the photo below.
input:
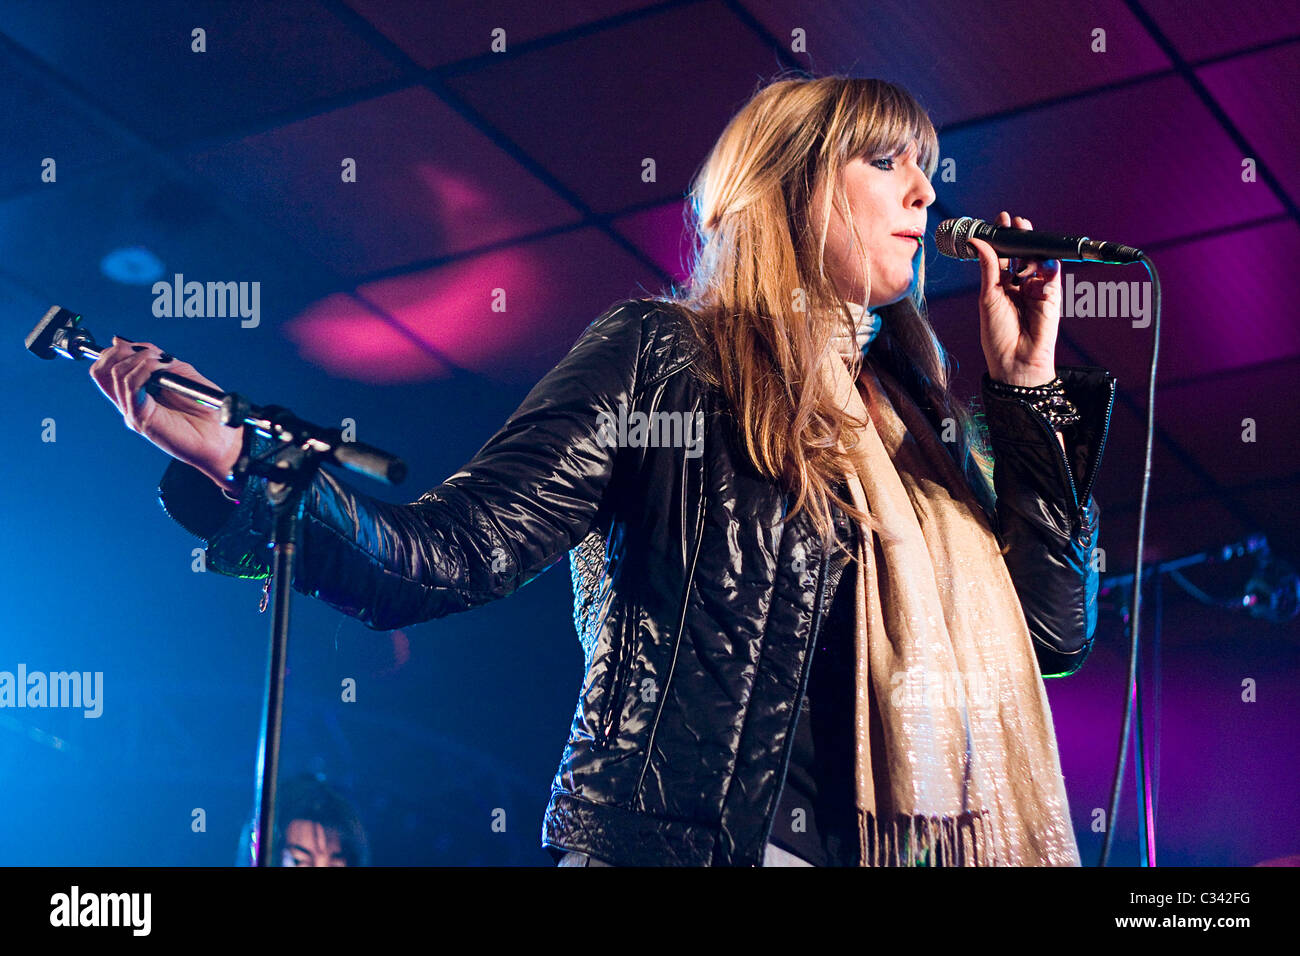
(956, 760)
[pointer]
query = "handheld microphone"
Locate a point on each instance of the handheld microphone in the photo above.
(951, 236)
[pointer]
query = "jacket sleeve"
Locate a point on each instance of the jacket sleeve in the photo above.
(1047, 517)
(520, 504)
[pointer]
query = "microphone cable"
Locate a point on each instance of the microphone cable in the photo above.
(1130, 685)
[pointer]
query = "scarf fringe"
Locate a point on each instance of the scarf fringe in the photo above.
(926, 840)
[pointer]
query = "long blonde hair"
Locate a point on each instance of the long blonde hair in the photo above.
(759, 299)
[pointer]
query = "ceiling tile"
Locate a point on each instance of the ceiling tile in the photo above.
(463, 28)
(42, 121)
(352, 340)
(662, 233)
(1206, 417)
(1205, 28)
(552, 293)
(135, 60)
(1259, 93)
(427, 185)
(592, 109)
(1108, 173)
(57, 240)
(972, 59)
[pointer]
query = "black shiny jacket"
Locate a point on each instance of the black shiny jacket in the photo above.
(697, 604)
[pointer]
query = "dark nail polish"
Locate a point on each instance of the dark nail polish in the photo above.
(137, 348)
(165, 357)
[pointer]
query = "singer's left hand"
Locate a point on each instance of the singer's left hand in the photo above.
(1018, 322)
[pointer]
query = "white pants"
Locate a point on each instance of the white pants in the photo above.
(773, 855)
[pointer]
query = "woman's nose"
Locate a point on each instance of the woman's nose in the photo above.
(923, 195)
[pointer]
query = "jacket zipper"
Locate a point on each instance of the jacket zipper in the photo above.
(1101, 446)
(681, 624)
(1080, 498)
(614, 706)
(1070, 493)
(803, 689)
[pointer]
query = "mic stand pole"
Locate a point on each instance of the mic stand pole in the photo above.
(291, 474)
(1126, 585)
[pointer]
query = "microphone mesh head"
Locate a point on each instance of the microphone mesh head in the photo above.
(950, 237)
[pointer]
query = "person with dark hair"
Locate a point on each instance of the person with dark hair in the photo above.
(315, 826)
(817, 594)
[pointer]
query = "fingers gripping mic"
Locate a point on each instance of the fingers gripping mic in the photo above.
(951, 236)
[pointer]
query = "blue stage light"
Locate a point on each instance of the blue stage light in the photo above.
(132, 265)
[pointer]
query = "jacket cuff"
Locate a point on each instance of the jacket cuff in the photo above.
(237, 533)
(1014, 424)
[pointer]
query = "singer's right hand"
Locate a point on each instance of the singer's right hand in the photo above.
(1018, 322)
(181, 427)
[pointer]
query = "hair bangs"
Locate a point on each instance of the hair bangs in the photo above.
(885, 121)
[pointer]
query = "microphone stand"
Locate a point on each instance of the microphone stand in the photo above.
(1125, 586)
(302, 447)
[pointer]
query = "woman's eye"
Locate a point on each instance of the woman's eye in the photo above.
(887, 159)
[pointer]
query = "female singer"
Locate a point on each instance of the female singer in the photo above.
(816, 627)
